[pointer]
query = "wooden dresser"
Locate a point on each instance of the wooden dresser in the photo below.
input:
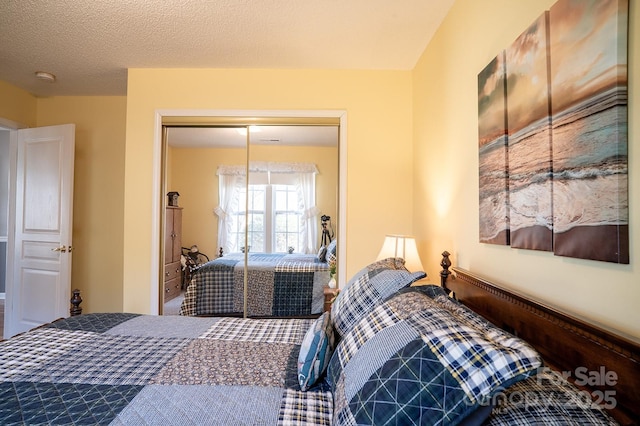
(172, 252)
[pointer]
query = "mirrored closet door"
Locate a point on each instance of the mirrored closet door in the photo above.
(248, 194)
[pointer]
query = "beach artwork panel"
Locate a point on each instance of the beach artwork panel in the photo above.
(492, 146)
(588, 65)
(529, 139)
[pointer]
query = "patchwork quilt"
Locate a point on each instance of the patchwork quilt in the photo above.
(416, 358)
(279, 285)
(138, 369)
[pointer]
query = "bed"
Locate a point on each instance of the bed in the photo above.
(388, 352)
(278, 285)
(604, 364)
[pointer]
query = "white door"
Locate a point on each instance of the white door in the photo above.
(40, 213)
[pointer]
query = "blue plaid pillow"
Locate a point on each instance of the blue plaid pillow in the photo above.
(395, 263)
(315, 351)
(369, 288)
(332, 251)
(413, 361)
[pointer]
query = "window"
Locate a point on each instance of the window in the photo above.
(273, 219)
(286, 218)
(256, 228)
(256, 216)
(281, 208)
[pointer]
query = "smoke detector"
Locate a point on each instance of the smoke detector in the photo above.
(45, 76)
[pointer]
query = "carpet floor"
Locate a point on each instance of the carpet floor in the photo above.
(172, 307)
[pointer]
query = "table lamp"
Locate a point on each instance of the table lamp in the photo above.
(403, 246)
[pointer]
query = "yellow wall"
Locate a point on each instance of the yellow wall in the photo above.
(446, 170)
(98, 211)
(193, 175)
(378, 104)
(192, 172)
(17, 105)
(98, 185)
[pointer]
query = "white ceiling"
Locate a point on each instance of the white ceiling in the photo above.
(90, 44)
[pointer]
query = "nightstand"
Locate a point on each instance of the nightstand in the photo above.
(329, 296)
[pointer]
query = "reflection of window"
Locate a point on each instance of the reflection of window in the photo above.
(257, 219)
(273, 219)
(287, 216)
(255, 230)
(281, 208)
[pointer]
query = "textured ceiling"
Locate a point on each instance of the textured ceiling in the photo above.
(90, 44)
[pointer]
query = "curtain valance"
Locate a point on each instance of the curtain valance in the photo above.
(266, 166)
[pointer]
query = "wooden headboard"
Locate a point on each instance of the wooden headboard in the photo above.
(605, 364)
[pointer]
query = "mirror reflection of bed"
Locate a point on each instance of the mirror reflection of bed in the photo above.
(195, 159)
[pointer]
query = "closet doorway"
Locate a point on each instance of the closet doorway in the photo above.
(180, 121)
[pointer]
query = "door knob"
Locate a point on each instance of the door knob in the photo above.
(62, 249)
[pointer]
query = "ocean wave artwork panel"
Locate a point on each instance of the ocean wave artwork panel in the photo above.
(589, 129)
(553, 135)
(529, 136)
(492, 157)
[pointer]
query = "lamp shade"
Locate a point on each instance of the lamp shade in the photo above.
(401, 246)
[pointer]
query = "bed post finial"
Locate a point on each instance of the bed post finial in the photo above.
(445, 263)
(76, 300)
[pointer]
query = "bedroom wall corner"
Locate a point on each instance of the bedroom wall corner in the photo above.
(446, 171)
(193, 174)
(98, 212)
(17, 105)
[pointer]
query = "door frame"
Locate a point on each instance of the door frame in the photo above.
(158, 198)
(11, 127)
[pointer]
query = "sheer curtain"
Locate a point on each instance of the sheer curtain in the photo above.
(302, 175)
(231, 180)
(306, 188)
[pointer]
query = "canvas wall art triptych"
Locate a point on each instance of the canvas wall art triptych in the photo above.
(552, 125)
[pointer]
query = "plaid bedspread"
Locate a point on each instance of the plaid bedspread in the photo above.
(140, 369)
(278, 285)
